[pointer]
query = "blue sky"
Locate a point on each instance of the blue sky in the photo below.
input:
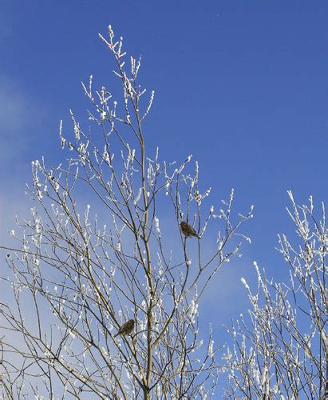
(240, 85)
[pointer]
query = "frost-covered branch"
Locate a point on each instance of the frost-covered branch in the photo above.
(94, 256)
(281, 349)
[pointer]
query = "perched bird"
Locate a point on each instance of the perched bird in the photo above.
(188, 230)
(126, 328)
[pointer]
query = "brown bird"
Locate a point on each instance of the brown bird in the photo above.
(126, 328)
(188, 230)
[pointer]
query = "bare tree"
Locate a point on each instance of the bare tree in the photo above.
(105, 297)
(281, 350)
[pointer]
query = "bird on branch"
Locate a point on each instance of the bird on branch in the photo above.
(126, 328)
(188, 230)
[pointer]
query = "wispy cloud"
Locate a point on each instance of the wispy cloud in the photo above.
(20, 123)
(18, 115)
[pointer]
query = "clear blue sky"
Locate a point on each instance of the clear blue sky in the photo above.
(241, 85)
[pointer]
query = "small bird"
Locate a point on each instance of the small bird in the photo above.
(188, 230)
(126, 328)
